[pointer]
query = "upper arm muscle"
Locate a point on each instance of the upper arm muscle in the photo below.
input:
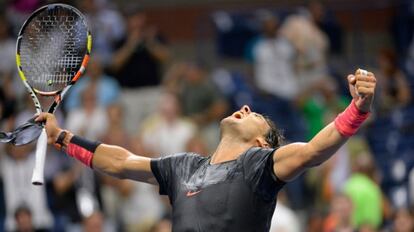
(119, 162)
(290, 161)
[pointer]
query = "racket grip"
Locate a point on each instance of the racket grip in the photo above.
(41, 147)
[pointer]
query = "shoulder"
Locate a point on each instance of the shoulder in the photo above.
(179, 164)
(257, 158)
(258, 153)
(183, 157)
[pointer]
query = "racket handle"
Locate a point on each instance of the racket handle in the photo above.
(41, 147)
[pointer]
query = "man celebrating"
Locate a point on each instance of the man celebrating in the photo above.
(234, 189)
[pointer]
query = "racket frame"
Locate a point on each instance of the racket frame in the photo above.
(38, 172)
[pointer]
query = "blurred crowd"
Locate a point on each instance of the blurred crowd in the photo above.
(136, 94)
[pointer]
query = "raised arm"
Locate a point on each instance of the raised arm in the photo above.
(291, 160)
(112, 160)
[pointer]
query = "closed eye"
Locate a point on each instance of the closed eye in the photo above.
(259, 116)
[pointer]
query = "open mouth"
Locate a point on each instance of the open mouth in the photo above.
(238, 115)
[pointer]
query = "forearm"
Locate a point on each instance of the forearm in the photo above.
(112, 160)
(159, 51)
(323, 145)
(333, 136)
(121, 56)
(293, 159)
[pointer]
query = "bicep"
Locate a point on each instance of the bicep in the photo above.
(139, 168)
(290, 161)
(119, 162)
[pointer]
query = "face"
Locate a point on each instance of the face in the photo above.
(193, 74)
(169, 107)
(270, 27)
(246, 125)
(94, 68)
(24, 221)
(137, 21)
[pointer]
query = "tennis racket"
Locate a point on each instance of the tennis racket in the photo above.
(52, 51)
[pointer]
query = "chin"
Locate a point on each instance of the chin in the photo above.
(230, 125)
(228, 121)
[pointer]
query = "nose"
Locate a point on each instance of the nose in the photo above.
(246, 109)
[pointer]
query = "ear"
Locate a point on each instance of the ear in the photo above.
(261, 142)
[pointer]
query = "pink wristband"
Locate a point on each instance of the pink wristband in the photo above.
(82, 149)
(349, 121)
(80, 154)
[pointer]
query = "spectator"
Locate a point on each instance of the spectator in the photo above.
(115, 132)
(284, 219)
(96, 223)
(7, 106)
(403, 221)
(325, 20)
(393, 88)
(272, 55)
(137, 65)
(107, 88)
(365, 193)
(90, 120)
(10, 87)
(200, 99)
(107, 27)
(19, 10)
(16, 169)
(63, 196)
(311, 46)
(7, 49)
(167, 125)
(24, 221)
(197, 145)
(137, 62)
(340, 215)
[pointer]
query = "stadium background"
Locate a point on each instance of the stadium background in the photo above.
(163, 73)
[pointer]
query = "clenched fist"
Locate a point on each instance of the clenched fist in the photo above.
(362, 88)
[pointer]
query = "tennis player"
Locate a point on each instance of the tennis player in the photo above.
(234, 189)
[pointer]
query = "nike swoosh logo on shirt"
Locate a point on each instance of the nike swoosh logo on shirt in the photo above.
(190, 193)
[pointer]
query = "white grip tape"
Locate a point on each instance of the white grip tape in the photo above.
(41, 147)
(363, 72)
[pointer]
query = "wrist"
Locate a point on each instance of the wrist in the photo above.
(362, 105)
(62, 139)
(348, 122)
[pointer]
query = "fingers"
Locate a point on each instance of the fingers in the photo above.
(365, 83)
(351, 79)
(365, 91)
(42, 117)
(366, 78)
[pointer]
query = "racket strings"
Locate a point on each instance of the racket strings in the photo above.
(52, 48)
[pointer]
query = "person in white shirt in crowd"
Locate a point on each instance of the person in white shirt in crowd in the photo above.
(90, 120)
(107, 88)
(107, 26)
(171, 129)
(16, 167)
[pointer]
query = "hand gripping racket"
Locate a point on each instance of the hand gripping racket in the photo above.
(52, 51)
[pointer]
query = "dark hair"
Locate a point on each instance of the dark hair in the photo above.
(22, 209)
(273, 136)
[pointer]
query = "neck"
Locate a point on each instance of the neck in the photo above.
(229, 149)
